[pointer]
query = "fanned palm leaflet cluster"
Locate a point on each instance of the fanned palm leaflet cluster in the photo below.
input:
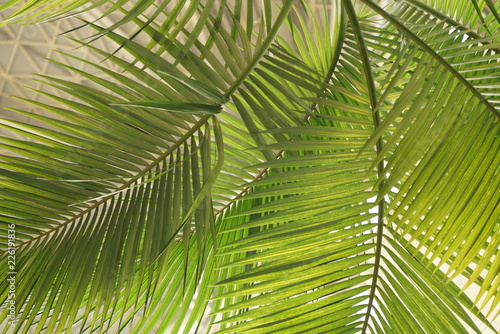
(261, 168)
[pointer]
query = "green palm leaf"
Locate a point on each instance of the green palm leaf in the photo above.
(261, 172)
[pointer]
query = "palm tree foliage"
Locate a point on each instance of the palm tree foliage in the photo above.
(263, 172)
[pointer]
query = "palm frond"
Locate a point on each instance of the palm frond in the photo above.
(144, 140)
(480, 15)
(433, 133)
(119, 219)
(265, 264)
(273, 171)
(52, 9)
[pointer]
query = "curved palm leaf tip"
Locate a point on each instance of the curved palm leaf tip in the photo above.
(353, 108)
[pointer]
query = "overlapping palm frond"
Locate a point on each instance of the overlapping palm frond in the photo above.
(285, 172)
(270, 282)
(482, 16)
(119, 162)
(448, 128)
(157, 154)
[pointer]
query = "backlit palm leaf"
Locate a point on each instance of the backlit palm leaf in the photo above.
(264, 172)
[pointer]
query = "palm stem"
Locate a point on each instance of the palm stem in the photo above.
(349, 8)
